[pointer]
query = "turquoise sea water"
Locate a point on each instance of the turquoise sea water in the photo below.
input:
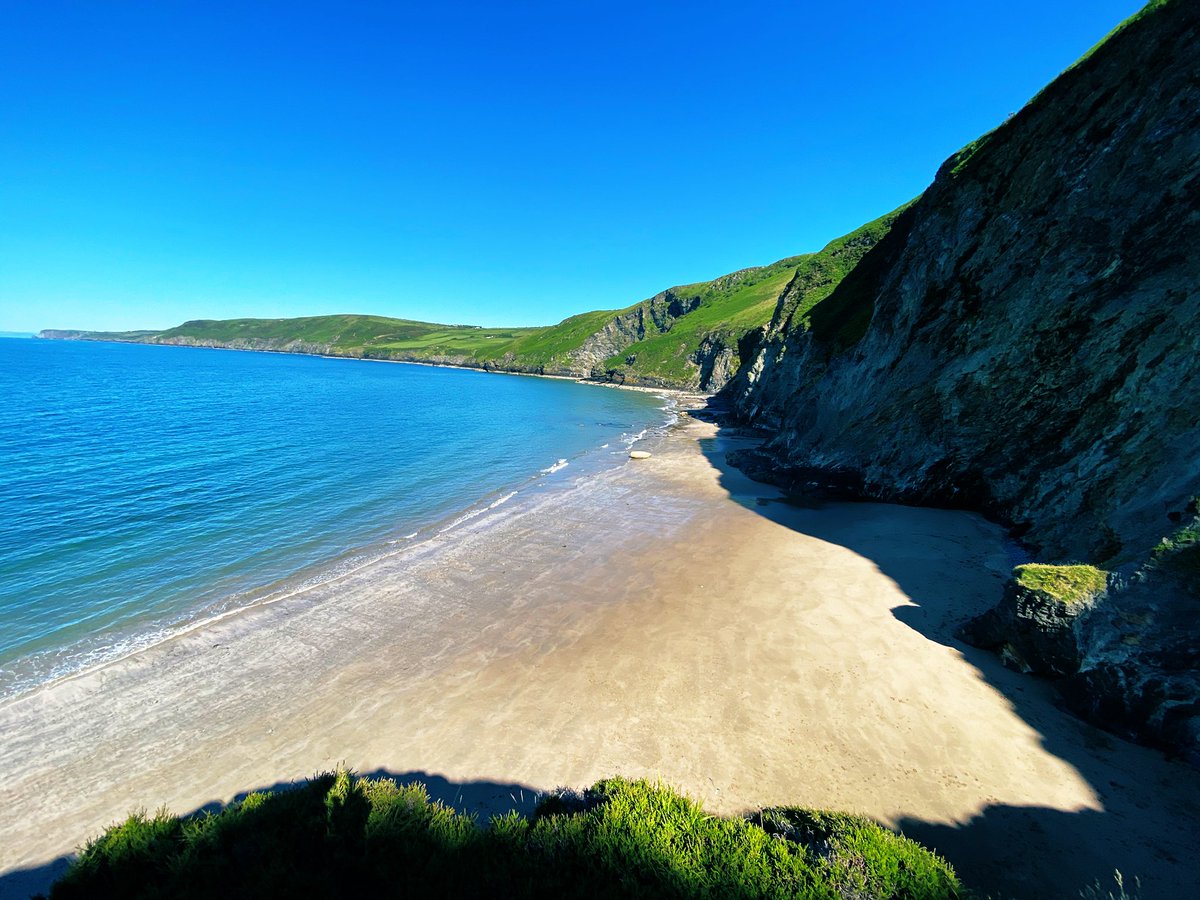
(143, 488)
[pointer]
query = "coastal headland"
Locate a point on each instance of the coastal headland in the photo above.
(666, 619)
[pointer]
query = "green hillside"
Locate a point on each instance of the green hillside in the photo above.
(686, 336)
(551, 347)
(349, 335)
(736, 304)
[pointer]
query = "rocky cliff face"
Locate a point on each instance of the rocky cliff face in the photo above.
(278, 346)
(1026, 339)
(653, 316)
(1140, 669)
(715, 361)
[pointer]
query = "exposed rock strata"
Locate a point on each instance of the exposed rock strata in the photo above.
(716, 362)
(1034, 631)
(1026, 341)
(653, 316)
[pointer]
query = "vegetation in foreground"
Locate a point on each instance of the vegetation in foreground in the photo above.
(341, 836)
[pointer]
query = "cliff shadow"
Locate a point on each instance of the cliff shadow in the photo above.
(481, 798)
(20, 884)
(1150, 806)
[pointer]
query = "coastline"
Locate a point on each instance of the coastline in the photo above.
(593, 382)
(581, 636)
(395, 523)
(482, 368)
(320, 574)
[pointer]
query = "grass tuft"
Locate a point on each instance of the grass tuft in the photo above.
(1097, 891)
(1067, 584)
(860, 858)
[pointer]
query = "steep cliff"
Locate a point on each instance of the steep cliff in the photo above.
(722, 320)
(1026, 341)
(1025, 338)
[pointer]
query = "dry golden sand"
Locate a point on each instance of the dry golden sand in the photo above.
(669, 619)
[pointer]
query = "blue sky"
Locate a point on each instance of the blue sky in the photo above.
(487, 163)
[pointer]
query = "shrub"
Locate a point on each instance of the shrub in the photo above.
(341, 836)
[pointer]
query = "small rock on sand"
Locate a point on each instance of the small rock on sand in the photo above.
(639, 454)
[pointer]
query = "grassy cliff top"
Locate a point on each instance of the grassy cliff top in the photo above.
(736, 304)
(1068, 584)
(341, 836)
(349, 332)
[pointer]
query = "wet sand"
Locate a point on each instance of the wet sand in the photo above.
(669, 619)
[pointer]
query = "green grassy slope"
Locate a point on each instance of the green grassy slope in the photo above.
(74, 335)
(642, 342)
(729, 307)
(340, 836)
(737, 304)
(383, 337)
(350, 335)
(551, 347)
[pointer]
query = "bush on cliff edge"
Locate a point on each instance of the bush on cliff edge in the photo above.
(342, 836)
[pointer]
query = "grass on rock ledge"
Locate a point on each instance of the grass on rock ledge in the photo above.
(1067, 584)
(342, 836)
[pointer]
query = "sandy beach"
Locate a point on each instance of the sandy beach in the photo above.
(668, 619)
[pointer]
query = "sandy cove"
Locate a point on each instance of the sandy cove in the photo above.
(669, 619)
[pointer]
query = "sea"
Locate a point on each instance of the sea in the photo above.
(147, 489)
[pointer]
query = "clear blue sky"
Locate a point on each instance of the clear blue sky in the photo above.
(490, 163)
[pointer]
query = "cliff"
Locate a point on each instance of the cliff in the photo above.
(1024, 341)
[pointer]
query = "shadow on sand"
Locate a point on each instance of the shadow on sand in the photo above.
(482, 798)
(1151, 805)
(19, 884)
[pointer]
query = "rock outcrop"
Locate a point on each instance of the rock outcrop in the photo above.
(716, 362)
(653, 316)
(1037, 626)
(262, 344)
(1140, 675)
(1026, 341)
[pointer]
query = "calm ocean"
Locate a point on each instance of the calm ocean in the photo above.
(143, 488)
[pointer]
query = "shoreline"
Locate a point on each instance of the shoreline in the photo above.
(650, 389)
(666, 618)
(328, 572)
